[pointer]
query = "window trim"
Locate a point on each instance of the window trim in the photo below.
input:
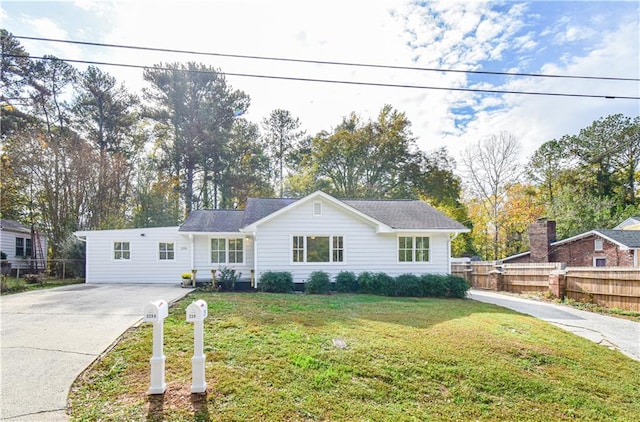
(121, 250)
(595, 260)
(228, 251)
(166, 251)
(304, 249)
(20, 248)
(414, 249)
(598, 244)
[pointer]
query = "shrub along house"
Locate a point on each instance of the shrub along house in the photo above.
(317, 232)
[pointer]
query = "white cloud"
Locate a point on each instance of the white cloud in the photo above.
(434, 34)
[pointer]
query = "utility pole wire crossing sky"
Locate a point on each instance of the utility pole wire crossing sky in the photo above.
(333, 81)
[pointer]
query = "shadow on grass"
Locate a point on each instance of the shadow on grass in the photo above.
(156, 408)
(199, 407)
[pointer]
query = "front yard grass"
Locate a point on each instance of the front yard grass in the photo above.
(273, 357)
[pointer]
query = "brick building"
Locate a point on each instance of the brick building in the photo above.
(596, 248)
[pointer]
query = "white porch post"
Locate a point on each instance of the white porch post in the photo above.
(193, 251)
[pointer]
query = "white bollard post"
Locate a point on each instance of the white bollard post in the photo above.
(156, 312)
(196, 313)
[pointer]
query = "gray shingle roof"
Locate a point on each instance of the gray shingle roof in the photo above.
(13, 226)
(397, 214)
(628, 238)
(259, 208)
(215, 221)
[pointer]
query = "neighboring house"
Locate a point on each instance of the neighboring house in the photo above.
(317, 232)
(25, 248)
(631, 223)
(595, 248)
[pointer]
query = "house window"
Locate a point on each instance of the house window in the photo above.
(599, 262)
(218, 251)
(19, 246)
(227, 250)
(121, 250)
(318, 248)
(236, 251)
(598, 244)
(166, 251)
(413, 249)
(338, 249)
(298, 248)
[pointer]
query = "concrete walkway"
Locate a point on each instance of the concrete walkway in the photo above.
(48, 337)
(616, 333)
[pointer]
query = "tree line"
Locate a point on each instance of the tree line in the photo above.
(80, 151)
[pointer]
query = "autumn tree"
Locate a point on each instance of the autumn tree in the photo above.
(491, 167)
(373, 159)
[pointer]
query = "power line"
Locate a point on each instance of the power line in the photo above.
(333, 81)
(333, 63)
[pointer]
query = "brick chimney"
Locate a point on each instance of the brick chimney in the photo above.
(541, 234)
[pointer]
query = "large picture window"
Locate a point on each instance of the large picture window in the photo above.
(227, 251)
(317, 249)
(121, 250)
(413, 249)
(166, 251)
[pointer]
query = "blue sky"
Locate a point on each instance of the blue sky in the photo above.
(591, 38)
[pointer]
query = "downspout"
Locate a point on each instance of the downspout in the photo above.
(449, 240)
(193, 251)
(255, 259)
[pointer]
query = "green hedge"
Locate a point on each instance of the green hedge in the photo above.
(410, 285)
(382, 284)
(276, 282)
(346, 282)
(318, 283)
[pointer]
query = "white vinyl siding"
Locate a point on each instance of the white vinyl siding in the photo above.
(144, 253)
(363, 250)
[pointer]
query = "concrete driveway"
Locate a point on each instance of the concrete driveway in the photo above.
(48, 337)
(616, 333)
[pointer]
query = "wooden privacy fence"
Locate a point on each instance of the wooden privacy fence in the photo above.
(608, 287)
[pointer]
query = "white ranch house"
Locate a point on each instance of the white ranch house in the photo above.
(317, 232)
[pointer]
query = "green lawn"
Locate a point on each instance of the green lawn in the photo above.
(272, 358)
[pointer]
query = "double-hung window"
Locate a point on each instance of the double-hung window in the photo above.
(227, 251)
(317, 249)
(413, 249)
(121, 250)
(20, 246)
(166, 251)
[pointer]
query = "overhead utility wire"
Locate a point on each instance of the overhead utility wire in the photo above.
(333, 63)
(333, 81)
